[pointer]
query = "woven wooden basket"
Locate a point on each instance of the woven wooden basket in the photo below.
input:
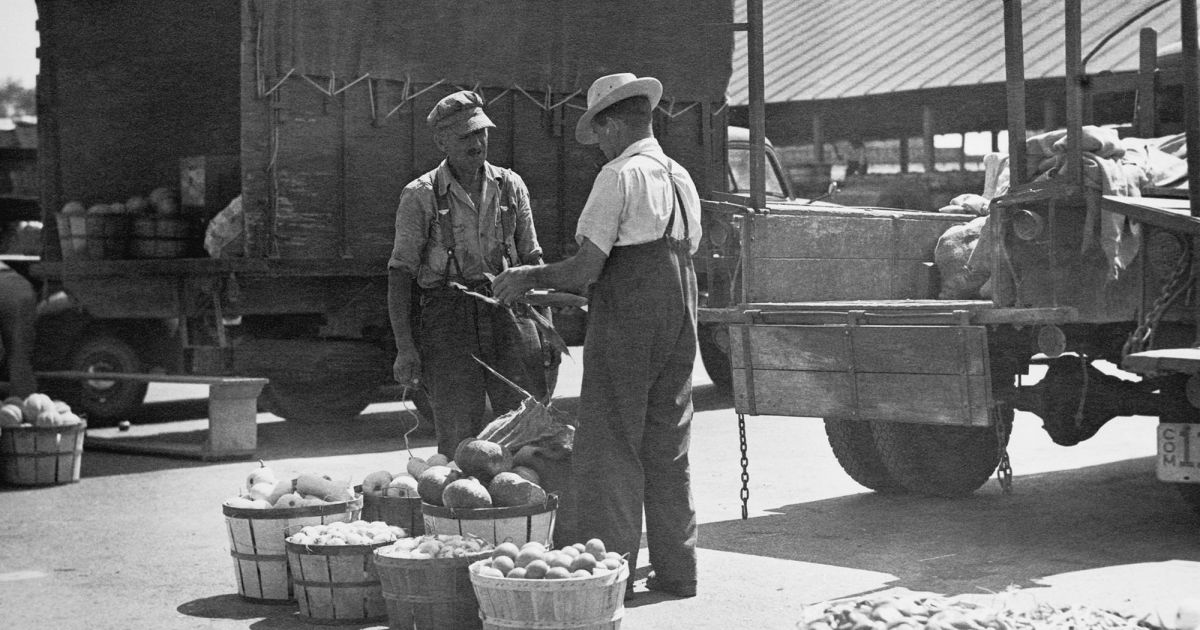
(403, 512)
(336, 584)
(429, 594)
(518, 525)
(256, 542)
(595, 603)
(41, 456)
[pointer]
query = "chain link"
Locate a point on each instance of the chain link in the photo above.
(1004, 472)
(745, 467)
(1175, 286)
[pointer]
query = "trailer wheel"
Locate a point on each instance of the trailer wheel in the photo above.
(104, 402)
(315, 380)
(714, 353)
(311, 402)
(938, 460)
(853, 444)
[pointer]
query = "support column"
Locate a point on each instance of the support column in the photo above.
(818, 135)
(927, 126)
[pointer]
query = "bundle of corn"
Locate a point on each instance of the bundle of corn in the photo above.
(532, 423)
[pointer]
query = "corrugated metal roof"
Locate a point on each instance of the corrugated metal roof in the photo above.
(819, 49)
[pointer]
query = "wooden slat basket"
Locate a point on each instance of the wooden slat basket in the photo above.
(595, 603)
(42, 456)
(429, 594)
(403, 512)
(518, 525)
(336, 584)
(256, 539)
(164, 237)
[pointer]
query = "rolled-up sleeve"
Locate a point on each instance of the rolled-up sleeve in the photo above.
(412, 226)
(600, 220)
(528, 249)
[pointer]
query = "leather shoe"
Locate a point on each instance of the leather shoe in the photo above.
(670, 587)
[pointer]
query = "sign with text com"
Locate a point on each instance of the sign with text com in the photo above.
(1179, 452)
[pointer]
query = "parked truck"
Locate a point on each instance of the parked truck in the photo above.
(313, 112)
(837, 312)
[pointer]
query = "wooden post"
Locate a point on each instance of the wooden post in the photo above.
(1014, 62)
(927, 125)
(962, 151)
(818, 132)
(1074, 89)
(1146, 101)
(754, 50)
(995, 134)
(904, 154)
(1049, 114)
(1191, 100)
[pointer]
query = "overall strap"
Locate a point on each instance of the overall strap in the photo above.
(508, 220)
(445, 221)
(679, 205)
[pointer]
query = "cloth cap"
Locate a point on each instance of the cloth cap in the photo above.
(461, 112)
(609, 89)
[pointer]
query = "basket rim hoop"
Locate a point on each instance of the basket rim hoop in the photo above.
(69, 428)
(474, 514)
(265, 514)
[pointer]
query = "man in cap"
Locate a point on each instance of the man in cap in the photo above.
(456, 226)
(637, 232)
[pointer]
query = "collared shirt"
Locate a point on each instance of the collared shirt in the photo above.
(632, 200)
(479, 237)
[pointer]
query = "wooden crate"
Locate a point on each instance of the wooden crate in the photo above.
(928, 374)
(41, 456)
(256, 539)
(518, 525)
(842, 254)
(336, 583)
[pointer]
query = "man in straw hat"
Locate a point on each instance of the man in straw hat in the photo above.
(637, 232)
(457, 225)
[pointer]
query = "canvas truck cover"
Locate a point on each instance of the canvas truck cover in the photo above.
(334, 97)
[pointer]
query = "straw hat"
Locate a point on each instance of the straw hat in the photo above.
(608, 90)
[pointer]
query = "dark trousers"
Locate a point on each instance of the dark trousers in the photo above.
(635, 413)
(18, 306)
(454, 326)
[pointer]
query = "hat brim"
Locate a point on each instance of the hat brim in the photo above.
(646, 86)
(475, 122)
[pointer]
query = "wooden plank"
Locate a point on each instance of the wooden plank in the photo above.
(808, 279)
(1182, 360)
(925, 398)
(949, 350)
(826, 235)
(1170, 213)
(152, 378)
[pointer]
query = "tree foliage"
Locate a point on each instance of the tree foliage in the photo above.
(16, 99)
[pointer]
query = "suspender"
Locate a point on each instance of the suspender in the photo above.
(445, 221)
(679, 205)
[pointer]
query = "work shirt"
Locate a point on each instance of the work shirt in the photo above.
(479, 238)
(632, 200)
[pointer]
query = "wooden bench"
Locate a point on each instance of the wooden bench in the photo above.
(232, 415)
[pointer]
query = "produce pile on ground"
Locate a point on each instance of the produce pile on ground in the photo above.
(263, 490)
(920, 612)
(533, 561)
(161, 201)
(435, 546)
(482, 475)
(343, 533)
(36, 410)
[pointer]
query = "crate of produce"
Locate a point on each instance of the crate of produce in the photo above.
(160, 236)
(333, 573)
(590, 598)
(42, 455)
(425, 582)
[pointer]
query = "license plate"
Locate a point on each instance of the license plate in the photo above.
(1179, 452)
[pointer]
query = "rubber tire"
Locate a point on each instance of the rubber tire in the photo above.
(316, 381)
(853, 445)
(939, 460)
(309, 402)
(715, 355)
(1191, 495)
(105, 403)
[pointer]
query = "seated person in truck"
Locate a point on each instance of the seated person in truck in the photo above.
(456, 227)
(18, 311)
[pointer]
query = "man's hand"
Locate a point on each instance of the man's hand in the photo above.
(407, 367)
(514, 283)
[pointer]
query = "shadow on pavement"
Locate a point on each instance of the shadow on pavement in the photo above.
(281, 615)
(1053, 523)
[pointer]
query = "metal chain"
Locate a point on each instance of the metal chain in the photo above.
(1180, 278)
(1004, 472)
(745, 467)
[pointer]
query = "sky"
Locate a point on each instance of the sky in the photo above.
(18, 41)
